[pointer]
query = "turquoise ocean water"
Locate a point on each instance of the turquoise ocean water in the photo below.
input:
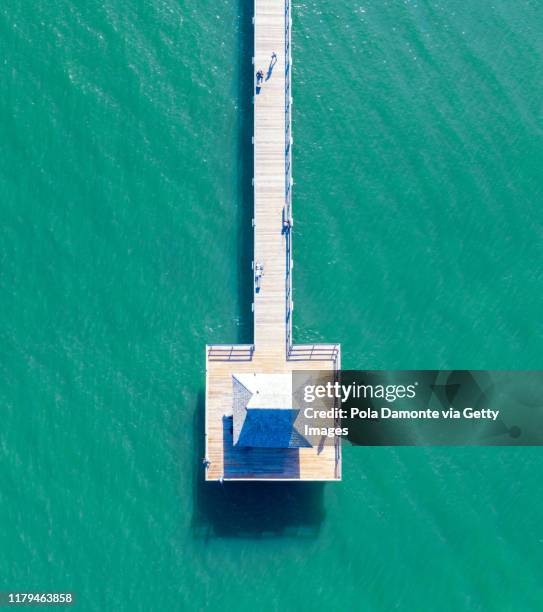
(125, 167)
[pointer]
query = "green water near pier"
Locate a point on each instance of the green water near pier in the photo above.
(125, 182)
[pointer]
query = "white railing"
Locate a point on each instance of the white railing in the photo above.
(337, 423)
(287, 211)
(288, 101)
(230, 352)
(313, 352)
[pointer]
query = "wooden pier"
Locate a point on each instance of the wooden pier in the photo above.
(272, 352)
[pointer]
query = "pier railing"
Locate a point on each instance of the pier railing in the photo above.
(313, 352)
(337, 420)
(288, 103)
(287, 211)
(230, 352)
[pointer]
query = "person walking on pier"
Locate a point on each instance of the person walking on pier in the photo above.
(259, 79)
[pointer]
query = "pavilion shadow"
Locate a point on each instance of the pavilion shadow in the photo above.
(264, 462)
(252, 509)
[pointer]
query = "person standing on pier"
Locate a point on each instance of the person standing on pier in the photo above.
(286, 226)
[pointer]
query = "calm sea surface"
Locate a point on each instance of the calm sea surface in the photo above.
(125, 173)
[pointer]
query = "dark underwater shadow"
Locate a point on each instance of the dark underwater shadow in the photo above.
(245, 171)
(251, 509)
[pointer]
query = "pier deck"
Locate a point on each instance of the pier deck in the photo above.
(272, 352)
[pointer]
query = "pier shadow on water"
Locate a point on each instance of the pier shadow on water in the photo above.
(245, 171)
(251, 509)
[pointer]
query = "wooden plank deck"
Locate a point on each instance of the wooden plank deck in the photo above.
(272, 351)
(269, 175)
